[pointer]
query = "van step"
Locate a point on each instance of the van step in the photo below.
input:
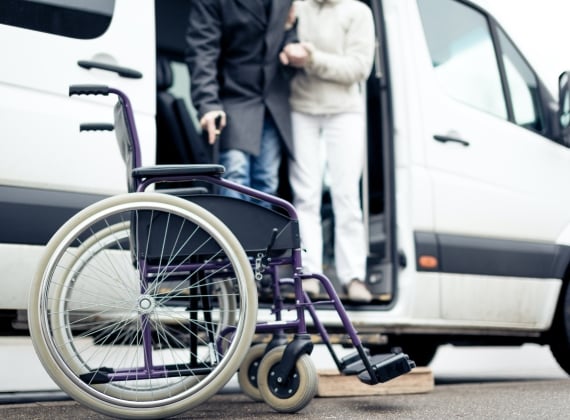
(386, 366)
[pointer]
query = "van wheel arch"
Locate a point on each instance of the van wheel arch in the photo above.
(559, 335)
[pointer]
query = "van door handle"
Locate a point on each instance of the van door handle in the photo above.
(445, 139)
(121, 71)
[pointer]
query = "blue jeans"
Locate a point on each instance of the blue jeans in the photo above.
(259, 172)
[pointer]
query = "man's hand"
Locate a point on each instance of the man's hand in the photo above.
(213, 122)
(295, 55)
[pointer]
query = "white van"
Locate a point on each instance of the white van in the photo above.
(468, 161)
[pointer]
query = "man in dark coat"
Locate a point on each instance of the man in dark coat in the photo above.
(237, 76)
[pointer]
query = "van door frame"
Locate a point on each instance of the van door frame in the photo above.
(382, 274)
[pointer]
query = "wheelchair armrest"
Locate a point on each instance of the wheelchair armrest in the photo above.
(184, 192)
(165, 171)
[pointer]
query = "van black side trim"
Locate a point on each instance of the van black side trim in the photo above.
(493, 257)
(32, 215)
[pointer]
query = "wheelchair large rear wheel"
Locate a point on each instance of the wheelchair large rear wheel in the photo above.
(144, 306)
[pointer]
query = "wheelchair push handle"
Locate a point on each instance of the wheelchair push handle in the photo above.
(96, 127)
(89, 90)
(98, 90)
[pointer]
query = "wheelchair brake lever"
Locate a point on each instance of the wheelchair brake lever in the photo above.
(272, 241)
(263, 259)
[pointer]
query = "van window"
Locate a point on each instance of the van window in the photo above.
(462, 53)
(83, 19)
(522, 85)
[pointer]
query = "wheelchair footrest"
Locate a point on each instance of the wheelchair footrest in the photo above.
(352, 358)
(385, 366)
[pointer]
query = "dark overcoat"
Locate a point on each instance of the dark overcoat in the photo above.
(232, 55)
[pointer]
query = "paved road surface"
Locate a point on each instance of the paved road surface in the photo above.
(471, 383)
(535, 399)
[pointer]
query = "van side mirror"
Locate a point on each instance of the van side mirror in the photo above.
(564, 107)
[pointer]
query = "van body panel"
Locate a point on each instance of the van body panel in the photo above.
(48, 169)
(37, 70)
(509, 300)
(501, 198)
(17, 277)
(487, 184)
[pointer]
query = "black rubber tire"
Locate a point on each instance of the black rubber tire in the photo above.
(559, 338)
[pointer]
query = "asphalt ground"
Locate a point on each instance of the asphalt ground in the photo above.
(535, 399)
(470, 383)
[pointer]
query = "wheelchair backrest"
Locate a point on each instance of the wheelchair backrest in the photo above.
(127, 140)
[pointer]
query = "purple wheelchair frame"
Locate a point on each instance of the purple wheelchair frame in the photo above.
(371, 370)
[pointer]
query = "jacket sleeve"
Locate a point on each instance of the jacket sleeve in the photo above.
(291, 37)
(356, 63)
(291, 33)
(203, 40)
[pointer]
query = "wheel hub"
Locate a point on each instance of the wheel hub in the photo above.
(146, 304)
(284, 387)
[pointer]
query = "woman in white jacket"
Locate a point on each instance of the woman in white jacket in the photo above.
(328, 117)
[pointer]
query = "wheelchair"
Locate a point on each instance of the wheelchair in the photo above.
(145, 304)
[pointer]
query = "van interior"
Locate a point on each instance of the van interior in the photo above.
(179, 140)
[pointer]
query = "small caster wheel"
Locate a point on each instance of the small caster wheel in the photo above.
(247, 375)
(292, 393)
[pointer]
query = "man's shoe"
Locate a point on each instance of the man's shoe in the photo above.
(358, 292)
(312, 287)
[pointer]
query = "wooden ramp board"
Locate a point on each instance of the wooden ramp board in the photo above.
(333, 384)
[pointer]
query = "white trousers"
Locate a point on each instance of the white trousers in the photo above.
(340, 140)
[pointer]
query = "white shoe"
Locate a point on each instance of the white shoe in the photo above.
(358, 292)
(312, 287)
